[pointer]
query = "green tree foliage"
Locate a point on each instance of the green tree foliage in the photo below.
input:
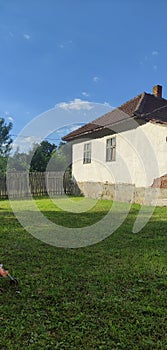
(41, 156)
(5, 143)
(61, 159)
(5, 139)
(18, 162)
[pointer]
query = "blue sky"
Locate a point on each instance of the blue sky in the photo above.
(65, 51)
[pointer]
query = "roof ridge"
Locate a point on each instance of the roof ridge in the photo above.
(132, 99)
(157, 97)
(141, 102)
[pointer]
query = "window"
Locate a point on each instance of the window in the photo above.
(111, 149)
(87, 153)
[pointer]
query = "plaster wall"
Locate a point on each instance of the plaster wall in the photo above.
(140, 158)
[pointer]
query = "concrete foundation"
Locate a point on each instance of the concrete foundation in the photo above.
(124, 193)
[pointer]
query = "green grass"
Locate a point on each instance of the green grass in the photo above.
(111, 295)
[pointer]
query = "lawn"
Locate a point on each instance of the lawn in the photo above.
(111, 295)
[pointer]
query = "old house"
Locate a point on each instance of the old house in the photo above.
(123, 154)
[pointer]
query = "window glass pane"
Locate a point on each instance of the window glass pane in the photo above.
(113, 153)
(87, 153)
(111, 149)
(108, 142)
(113, 141)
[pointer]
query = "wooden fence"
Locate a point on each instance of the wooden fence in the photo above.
(24, 184)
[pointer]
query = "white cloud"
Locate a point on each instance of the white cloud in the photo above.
(155, 67)
(32, 139)
(64, 44)
(85, 94)
(7, 115)
(149, 58)
(25, 144)
(155, 53)
(107, 104)
(76, 104)
(61, 46)
(26, 36)
(95, 79)
(10, 119)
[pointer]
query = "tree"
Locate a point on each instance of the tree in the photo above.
(61, 159)
(5, 143)
(5, 139)
(18, 161)
(41, 155)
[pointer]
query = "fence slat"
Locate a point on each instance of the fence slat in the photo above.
(24, 184)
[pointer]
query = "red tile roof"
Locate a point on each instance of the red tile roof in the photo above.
(145, 107)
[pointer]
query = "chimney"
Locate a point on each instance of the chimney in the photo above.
(157, 91)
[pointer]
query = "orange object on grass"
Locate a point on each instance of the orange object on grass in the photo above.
(3, 273)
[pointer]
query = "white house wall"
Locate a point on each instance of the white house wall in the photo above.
(140, 157)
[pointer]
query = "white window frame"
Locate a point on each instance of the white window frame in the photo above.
(111, 149)
(87, 153)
